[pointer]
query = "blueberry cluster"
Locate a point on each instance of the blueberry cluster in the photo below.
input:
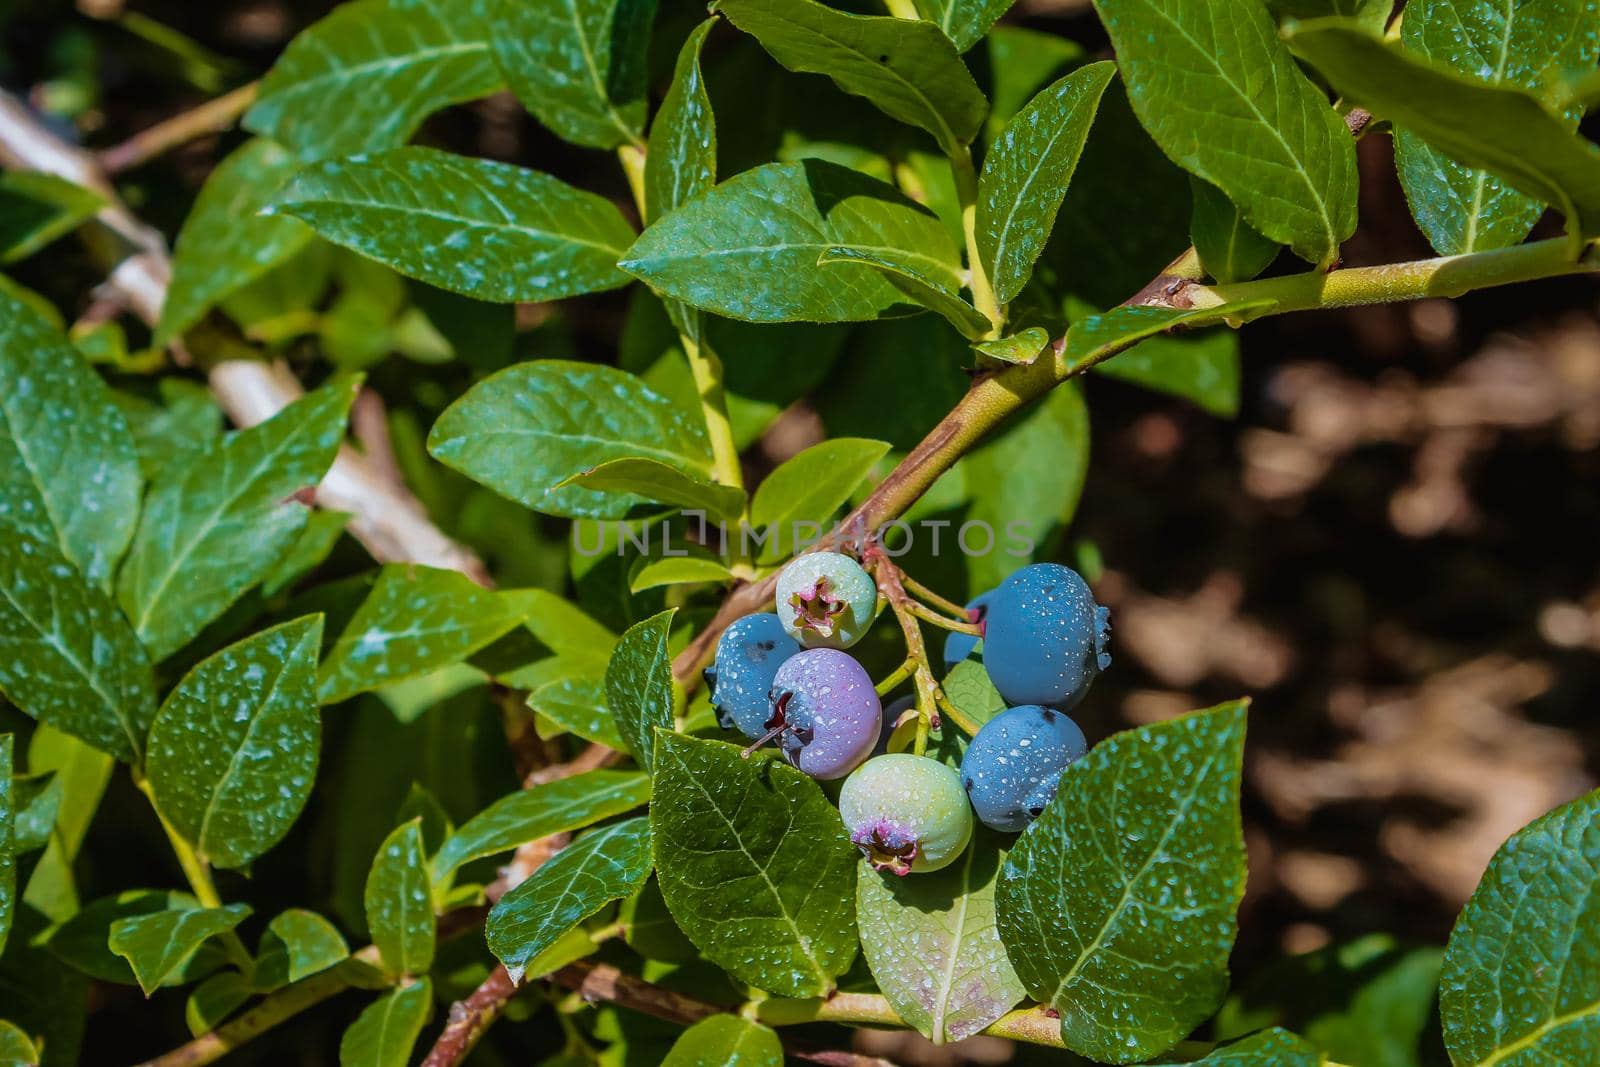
(785, 677)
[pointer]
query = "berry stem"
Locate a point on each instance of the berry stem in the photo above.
(927, 614)
(895, 677)
(929, 597)
(891, 585)
(964, 722)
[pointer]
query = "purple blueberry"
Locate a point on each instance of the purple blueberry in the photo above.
(1013, 765)
(749, 654)
(958, 646)
(1044, 637)
(906, 813)
(825, 712)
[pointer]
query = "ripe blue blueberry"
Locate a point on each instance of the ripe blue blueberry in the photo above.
(906, 813)
(1014, 764)
(749, 654)
(958, 646)
(826, 600)
(1044, 637)
(825, 712)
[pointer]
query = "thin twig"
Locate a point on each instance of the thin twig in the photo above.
(213, 116)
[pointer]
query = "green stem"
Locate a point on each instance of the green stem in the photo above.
(195, 870)
(901, 9)
(983, 297)
(632, 159)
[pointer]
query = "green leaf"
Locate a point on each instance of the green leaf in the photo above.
(969, 689)
(1373, 14)
(16, 1047)
(8, 837)
(36, 208)
(226, 243)
(415, 620)
(67, 655)
(387, 1029)
(158, 944)
(81, 772)
(908, 70)
(1202, 367)
(399, 903)
(681, 162)
(600, 867)
(749, 248)
(726, 1041)
(1532, 46)
(639, 688)
(1026, 174)
(364, 78)
(653, 480)
(1269, 1048)
(1521, 979)
(524, 431)
(1021, 62)
(1229, 250)
(185, 422)
(35, 801)
(908, 273)
(678, 570)
(1026, 482)
(80, 940)
(808, 488)
(963, 21)
(489, 230)
(215, 525)
(557, 807)
(297, 944)
(68, 472)
(309, 550)
(213, 1000)
(1096, 338)
(754, 865)
(1117, 906)
(578, 65)
(1221, 95)
(933, 946)
(1503, 130)
(233, 750)
(1021, 347)
(578, 704)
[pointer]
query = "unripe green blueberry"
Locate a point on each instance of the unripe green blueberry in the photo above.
(826, 600)
(906, 813)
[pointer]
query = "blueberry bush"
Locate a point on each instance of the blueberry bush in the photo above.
(574, 730)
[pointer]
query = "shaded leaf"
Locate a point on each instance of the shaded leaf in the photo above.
(387, 1029)
(754, 865)
(1117, 906)
(1026, 174)
(1095, 338)
(365, 77)
(907, 273)
(1202, 367)
(578, 65)
(35, 801)
(909, 70)
(808, 488)
(184, 423)
(681, 162)
(67, 655)
(726, 1041)
(602, 866)
(1229, 250)
(524, 431)
(80, 941)
(680, 570)
(1373, 14)
(296, 945)
(309, 550)
(749, 248)
(578, 704)
(933, 946)
(1529, 45)
(215, 525)
(1222, 96)
(639, 688)
(1521, 978)
(213, 1000)
(158, 944)
(16, 1047)
(415, 620)
(654, 480)
(225, 243)
(399, 903)
(1270, 1048)
(8, 837)
(556, 807)
(489, 230)
(233, 750)
(969, 689)
(36, 208)
(68, 472)
(1021, 347)
(1503, 130)
(963, 21)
